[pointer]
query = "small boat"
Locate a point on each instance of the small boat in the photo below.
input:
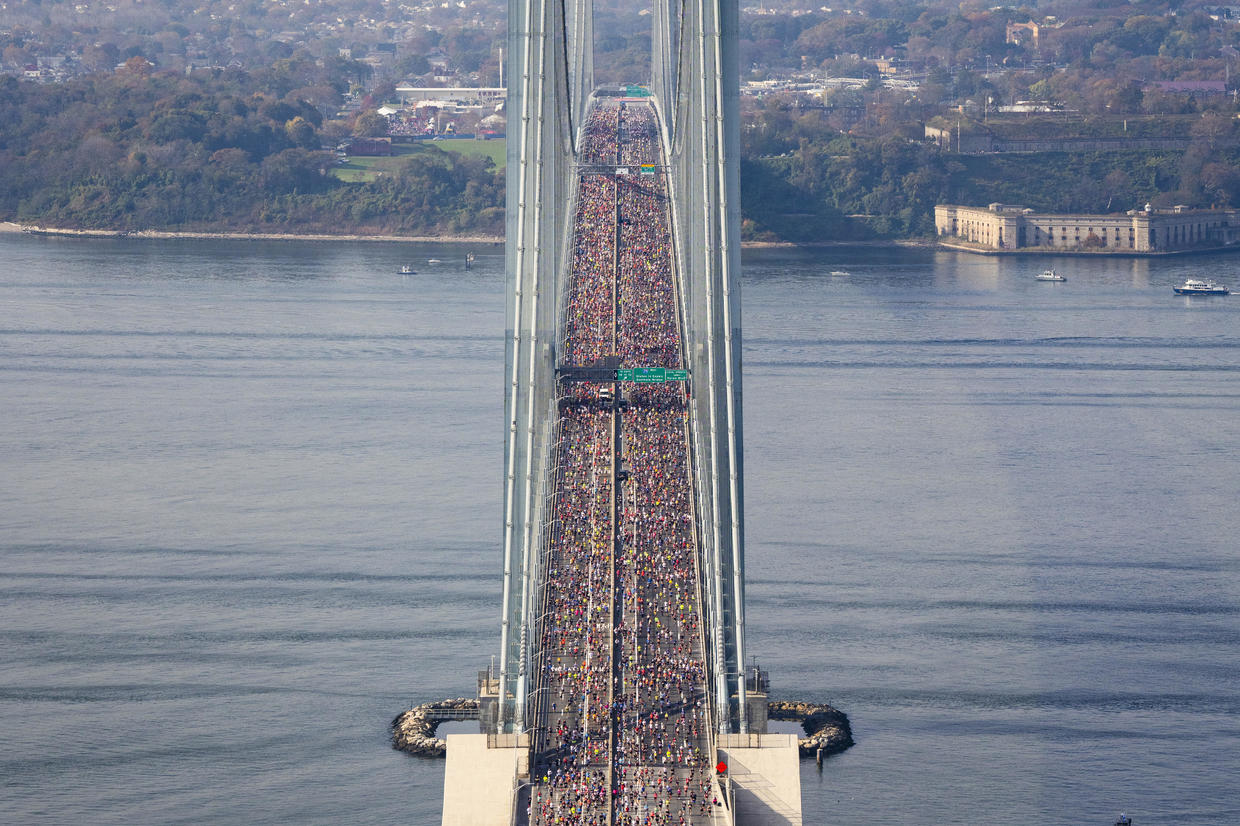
(840, 273)
(1050, 275)
(433, 261)
(1195, 286)
(408, 270)
(1124, 820)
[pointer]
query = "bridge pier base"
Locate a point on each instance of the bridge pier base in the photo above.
(764, 778)
(483, 777)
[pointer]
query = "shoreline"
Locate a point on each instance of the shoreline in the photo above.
(155, 234)
(489, 240)
(498, 241)
(1027, 252)
(913, 243)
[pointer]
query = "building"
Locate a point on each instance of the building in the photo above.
(1022, 34)
(1007, 228)
(975, 142)
(370, 147)
(462, 94)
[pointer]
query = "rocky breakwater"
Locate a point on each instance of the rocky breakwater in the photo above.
(825, 727)
(413, 731)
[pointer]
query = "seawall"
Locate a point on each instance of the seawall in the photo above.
(1046, 252)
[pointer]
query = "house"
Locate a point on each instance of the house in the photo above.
(371, 147)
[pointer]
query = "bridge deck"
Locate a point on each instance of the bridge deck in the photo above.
(622, 732)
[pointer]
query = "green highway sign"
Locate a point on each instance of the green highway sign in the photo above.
(650, 375)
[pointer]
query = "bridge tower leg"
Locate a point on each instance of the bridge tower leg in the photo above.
(549, 73)
(697, 86)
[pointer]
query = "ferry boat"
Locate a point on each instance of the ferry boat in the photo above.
(1050, 275)
(1195, 286)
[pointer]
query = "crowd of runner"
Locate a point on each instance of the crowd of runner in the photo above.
(623, 736)
(588, 328)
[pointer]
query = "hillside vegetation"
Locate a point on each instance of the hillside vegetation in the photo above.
(214, 150)
(158, 142)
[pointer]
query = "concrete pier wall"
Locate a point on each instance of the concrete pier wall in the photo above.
(480, 782)
(766, 778)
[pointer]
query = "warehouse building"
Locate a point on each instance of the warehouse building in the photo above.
(1007, 228)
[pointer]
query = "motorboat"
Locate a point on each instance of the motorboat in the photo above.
(433, 261)
(840, 273)
(408, 270)
(1050, 275)
(1194, 286)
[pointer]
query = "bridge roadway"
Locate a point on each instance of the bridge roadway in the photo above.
(622, 732)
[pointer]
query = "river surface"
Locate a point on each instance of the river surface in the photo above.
(250, 510)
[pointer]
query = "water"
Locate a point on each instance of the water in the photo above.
(250, 497)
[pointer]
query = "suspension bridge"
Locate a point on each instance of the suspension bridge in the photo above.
(621, 693)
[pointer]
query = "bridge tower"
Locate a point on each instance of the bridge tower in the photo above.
(695, 86)
(694, 91)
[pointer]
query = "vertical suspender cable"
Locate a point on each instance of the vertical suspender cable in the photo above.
(721, 686)
(514, 381)
(528, 541)
(738, 607)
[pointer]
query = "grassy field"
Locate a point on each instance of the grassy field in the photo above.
(365, 170)
(494, 148)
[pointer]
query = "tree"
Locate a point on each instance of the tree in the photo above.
(278, 111)
(1221, 182)
(138, 66)
(16, 56)
(370, 125)
(1117, 186)
(294, 170)
(1141, 35)
(176, 124)
(413, 65)
(100, 58)
(1213, 129)
(301, 133)
(1128, 98)
(326, 99)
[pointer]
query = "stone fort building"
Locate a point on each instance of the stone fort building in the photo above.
(1007, 228)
